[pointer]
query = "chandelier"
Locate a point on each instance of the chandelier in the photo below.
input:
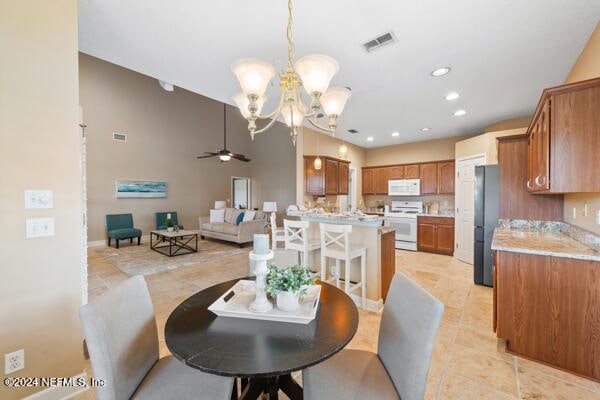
(313, 73)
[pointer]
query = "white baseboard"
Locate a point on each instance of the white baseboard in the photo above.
(61, 392)
(372, 305)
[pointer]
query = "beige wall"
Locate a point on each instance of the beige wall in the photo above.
(586, 67)
(507, 124)
(165, 132)
(485, 143)
(324, 144)
(40, 148)
(431, 150)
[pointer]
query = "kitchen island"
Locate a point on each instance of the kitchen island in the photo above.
(366, 231)
(547, 294)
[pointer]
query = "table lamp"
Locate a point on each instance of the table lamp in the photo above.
(270, 206)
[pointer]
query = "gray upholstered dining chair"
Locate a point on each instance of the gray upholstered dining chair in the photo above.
(122, 340)
(409, 324)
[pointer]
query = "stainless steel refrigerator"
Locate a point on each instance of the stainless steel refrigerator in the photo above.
(485, 220)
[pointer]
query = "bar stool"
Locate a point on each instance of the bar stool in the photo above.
(277, 234)
(296, 238)
(335, 243)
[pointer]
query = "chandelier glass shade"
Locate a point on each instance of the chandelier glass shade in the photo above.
(313, 73)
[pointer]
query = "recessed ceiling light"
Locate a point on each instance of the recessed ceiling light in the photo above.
(426, 129)
(394, 134)
(369, 138)
(440, 71)
(452, 96)
(458, 113)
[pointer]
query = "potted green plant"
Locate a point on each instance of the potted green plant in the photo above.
(288, 284)
(169, 225)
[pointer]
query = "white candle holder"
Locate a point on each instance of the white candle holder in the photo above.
(260, 303)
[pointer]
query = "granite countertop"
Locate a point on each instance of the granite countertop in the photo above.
(346, 219)
(555, 244)
(386, 229)
(436, 215)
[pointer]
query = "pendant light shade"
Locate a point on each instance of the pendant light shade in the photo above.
(334, 100)
(316, 71)
(318, 164)
(292, 112)
(254, 75)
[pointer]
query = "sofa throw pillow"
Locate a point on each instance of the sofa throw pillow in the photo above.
(239, 219)
(248, 216)
(229, 215)
(217, 216)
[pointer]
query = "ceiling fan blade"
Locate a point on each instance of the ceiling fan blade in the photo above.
(211, 155)
(240, 157)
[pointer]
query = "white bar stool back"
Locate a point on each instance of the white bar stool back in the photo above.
(296, 238)
(335, 243)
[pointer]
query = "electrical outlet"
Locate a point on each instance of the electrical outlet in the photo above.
(14, 361)
(574, 212)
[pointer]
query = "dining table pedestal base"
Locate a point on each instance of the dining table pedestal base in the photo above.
(254, 388)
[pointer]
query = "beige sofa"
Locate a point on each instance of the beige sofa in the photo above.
(228, 230)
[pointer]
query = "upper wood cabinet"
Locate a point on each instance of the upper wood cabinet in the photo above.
(429, 178)
(381, 176)
(332, 178)
(409, 171)
(445, 177)
(368, 181)
(563, 140)
(436, 177)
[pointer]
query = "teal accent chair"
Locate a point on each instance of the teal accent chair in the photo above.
(120, 226)
(161, 220)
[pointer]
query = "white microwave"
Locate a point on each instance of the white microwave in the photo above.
(404, 187)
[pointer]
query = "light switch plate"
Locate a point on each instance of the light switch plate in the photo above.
(39, 227)
(38, 199)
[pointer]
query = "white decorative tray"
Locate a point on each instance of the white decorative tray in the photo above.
(244, 293)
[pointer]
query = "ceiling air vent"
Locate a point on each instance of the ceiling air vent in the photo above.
(119, 137)
(382, 40)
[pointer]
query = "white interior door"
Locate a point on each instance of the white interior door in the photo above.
(465, 204)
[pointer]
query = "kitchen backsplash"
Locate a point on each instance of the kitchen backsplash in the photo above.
(445, 202)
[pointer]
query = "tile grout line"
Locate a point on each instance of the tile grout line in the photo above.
(517, 378)
(452, 344)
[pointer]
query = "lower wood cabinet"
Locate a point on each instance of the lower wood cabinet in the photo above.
(548, 309)
(388, 261)
(435, 235)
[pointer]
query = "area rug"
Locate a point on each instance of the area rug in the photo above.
(141, 260)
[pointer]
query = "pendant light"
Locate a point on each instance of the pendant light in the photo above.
(317, 163)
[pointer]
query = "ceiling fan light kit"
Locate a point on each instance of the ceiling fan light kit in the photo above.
(224, 154)
(313, 73)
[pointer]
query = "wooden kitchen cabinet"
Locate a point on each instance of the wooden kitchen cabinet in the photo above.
(331, 179)
(331, 176)
(435, 234)
(407, 171)
(381, 176)
(515, 201)
(343, 177)
(548, 309)
(445, 177)
(388, 261)
(429, 178)
(368, 181)
(563, 140)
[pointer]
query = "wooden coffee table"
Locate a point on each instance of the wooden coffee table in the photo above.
(174, 243)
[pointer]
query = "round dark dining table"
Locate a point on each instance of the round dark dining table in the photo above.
(263, 353)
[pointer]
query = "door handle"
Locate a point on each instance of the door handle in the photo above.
(529, 186)
(540, 180)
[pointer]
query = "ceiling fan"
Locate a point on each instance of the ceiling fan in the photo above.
(224, 154)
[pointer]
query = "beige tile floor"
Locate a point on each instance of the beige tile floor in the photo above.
(468, 361)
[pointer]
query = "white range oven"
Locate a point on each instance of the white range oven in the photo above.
(402, 216)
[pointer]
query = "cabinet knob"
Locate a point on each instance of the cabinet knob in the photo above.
(540, 180)
(529, 186)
